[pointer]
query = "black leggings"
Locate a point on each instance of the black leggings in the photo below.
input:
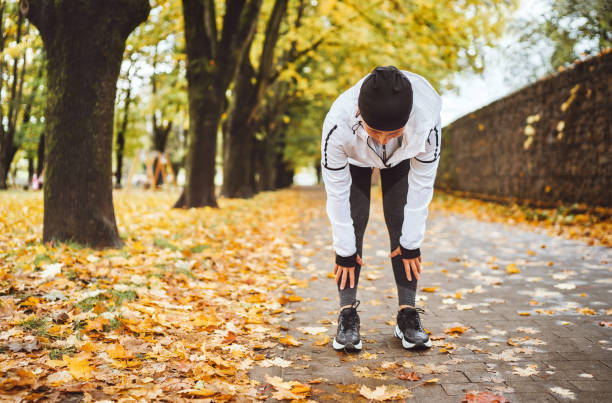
(394, 190)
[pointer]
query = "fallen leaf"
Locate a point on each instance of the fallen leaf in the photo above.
(288, 340)
(79, 367)
(457, 330)
(385, 392)
(512, 269)
(483, 397)
(566, 393)
(322, 341)
(531, 369)
(407, 376)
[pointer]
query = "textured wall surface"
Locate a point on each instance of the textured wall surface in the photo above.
(549, 142)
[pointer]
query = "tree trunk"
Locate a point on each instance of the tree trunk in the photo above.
(284, 172)
(84, 43)
(7, 136)
(121, 136)
(239, 136)
(30, 169)
(40, 153)
(239, 177)
(212, 62)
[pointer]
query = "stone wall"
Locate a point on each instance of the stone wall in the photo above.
(547, 143)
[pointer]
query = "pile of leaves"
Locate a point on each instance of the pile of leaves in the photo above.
(183, 309)
(590, 224)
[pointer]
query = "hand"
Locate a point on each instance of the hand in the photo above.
(410, 265)
(346, 272)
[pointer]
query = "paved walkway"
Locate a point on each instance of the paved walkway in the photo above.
(534, 312)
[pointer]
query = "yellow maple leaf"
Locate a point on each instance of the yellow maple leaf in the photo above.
(117, 351)
(288, 340)
(322, 341)
(512, 269)
(79, 367)
(457, 330)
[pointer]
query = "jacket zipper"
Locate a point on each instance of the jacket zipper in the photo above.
(384, 161)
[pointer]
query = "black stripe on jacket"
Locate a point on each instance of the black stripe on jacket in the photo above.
(325, 150)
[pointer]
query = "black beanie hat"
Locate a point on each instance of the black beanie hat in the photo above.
(385, 99)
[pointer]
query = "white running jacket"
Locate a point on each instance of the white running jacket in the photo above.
(345, 142)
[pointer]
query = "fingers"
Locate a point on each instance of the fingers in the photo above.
(396, 252)
(344, 278)
(414, 263)
(407, 269)
(338, 273)
(359, 261)
(343, 274)
(412, 266)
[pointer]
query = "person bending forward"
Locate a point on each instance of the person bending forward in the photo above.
(389, 120)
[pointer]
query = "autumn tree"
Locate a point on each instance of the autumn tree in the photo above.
(84, 42)
(251, 84)
(21, 76)
(433, 39)
(565, 32)
(213, 56)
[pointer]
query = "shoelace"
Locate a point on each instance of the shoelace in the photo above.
(412, 320)
(349, 319)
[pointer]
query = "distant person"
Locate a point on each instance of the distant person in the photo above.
(389, 120)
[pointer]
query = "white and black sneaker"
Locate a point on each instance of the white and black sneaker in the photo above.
(410, 330)
(348, 338)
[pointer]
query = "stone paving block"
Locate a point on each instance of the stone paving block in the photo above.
(591, 397)
(529, 397)
(483, 376)
(460, 389)
(581, 356)
(431, 393)
(529, 386)
(452, 377)
(593, 386)
(583, 364)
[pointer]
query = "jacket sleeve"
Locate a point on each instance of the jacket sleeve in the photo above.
(421, 179)
(337, 179)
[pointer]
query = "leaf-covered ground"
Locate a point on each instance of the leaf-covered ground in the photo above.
(588, 224)
(182, 310)
(198, 302)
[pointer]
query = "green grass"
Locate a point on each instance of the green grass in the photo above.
(198, 248)
(41, 257)
(58, 353)
(36, 326)
(120, 296)
(89, 303)
(113, 324)
(163, 243)
(185, 271)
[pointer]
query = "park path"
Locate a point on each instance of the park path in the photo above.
(537, 309)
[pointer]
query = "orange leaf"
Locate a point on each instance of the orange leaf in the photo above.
(229, 338)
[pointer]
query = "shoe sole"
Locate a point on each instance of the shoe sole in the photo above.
(348, 346)
(408, 345)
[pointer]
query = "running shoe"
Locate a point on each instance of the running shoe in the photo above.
(348, 338)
